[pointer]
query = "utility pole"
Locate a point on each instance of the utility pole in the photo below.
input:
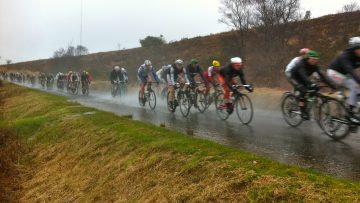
(81, 25)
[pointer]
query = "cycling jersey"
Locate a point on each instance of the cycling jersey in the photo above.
(346, 63)
(292, 64)
(143, 73)
(303, 70)
(190, 73)
(116, 75)
(228, 73)
(173, 74)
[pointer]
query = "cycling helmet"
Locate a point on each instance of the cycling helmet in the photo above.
(216, 63)
(312, 54)
(117, 68)
(354, 42)
(194, 61)
(147, 62)
(179, 62)
(304, 51)
(122, 69)
(235, 60)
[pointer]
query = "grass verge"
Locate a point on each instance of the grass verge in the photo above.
(87, 157)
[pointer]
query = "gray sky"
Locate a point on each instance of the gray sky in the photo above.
(34, 29)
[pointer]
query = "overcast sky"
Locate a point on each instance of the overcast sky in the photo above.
(34, 29)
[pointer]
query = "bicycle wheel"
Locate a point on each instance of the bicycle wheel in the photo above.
(151, 99)
(141, 101)
(221, 110)
(185, 104)
(334, 119)
(291, 110)
(244, 109)
(201, 101)
(170, 105)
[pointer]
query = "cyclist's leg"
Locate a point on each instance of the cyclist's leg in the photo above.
(142, 88)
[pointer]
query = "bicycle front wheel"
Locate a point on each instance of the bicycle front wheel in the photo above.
(291, 110)
(201, 101)
(244, 109)
(152, 99)
(185, 104)
(334, 119)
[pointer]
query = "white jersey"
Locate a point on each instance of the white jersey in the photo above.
(292, 64)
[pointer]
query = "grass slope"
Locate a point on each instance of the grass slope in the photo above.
(77, 156)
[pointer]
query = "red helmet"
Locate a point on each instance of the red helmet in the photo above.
(304, 51)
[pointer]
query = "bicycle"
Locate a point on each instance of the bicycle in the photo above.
(336, 120)
(149, 96)
(192, 96)
(240, 101)
(117, 89)
(178, 92)
(291, 110)
(85, 88)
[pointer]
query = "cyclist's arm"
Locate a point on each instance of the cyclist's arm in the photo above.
(242, 78)
(324, 78)
(155, 75)
(188, 77)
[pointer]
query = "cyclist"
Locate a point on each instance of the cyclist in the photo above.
(124, 73)
(342, 72)
(227, 73)
(85, 78)
(192, 70)
(300, 75)
(211, 75)
(143, 74)
(174, 74)
(116, 75)
(293, 63)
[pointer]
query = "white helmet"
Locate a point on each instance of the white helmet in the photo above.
(354, 42)
(235, 60)
(179, 62)
(123, 69)
(147, 62)
(117, 68)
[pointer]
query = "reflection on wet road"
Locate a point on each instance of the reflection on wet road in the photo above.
(267, 135)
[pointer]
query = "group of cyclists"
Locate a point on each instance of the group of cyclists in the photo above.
(180, 77)
(19, 77)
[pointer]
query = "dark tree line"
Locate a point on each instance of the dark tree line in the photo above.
(71, 51)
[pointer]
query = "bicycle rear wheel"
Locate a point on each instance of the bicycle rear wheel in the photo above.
(152, 99)
(141, 101)
(185, 104)
(334, 119)
(244, 109)
(220, 106)
(291, 110)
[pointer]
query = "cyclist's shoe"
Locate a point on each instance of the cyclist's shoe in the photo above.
(353, 118)
(229, 108)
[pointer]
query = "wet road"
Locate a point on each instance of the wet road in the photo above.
(268, 134)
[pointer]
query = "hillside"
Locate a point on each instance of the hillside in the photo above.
(265, 52)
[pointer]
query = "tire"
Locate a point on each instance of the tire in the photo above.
(171, 108)
(152, 99)
(244, 109)
(291, 110)
(334, 119)
(201, 101)
(221, 112)
(185, 104)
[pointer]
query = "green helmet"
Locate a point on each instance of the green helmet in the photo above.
(312, 54)
(194, 61)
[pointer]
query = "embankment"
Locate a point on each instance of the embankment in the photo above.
(80, 154)
(265, 51)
